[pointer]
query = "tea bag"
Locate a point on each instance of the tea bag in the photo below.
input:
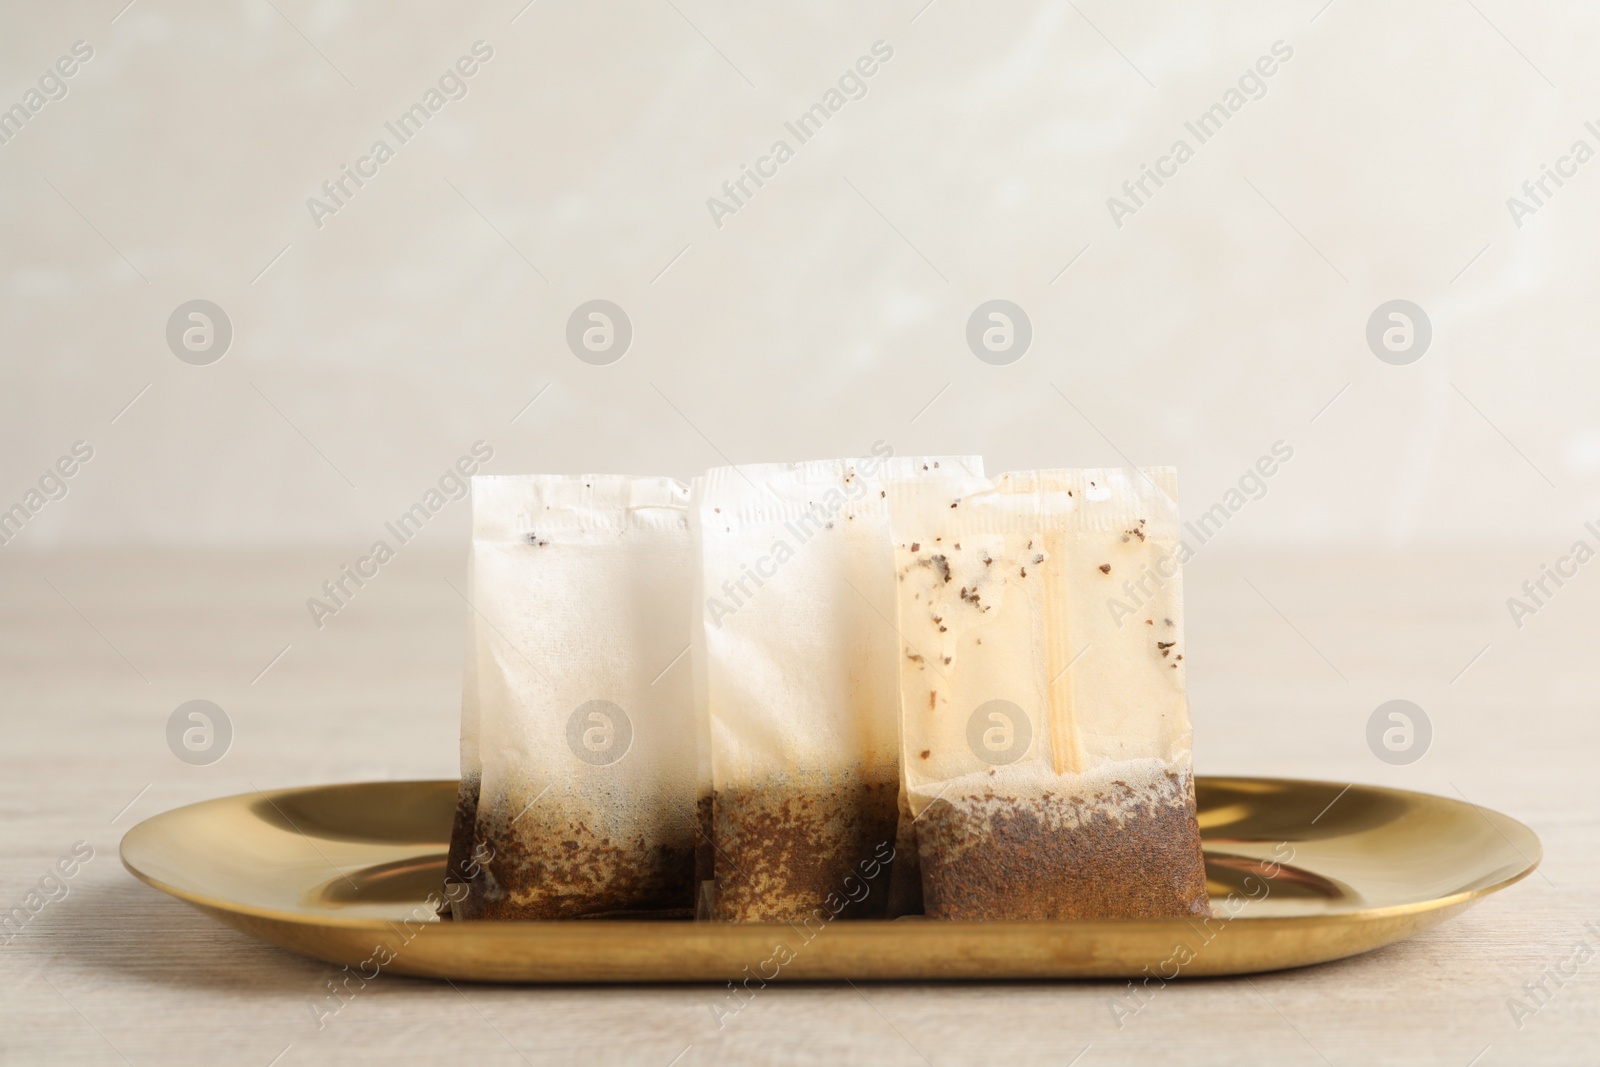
(583, 706)
(1046, 736)
(800, 682)
(704, 850)
(460, 869)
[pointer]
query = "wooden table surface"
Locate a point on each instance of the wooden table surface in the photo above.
(1289, 656)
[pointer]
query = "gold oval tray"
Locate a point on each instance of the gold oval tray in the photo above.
(1299, 872)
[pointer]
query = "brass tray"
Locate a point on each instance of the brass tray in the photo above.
(1299, 872)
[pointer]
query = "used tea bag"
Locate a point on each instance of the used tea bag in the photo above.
(1046, 736)
(580, 702)
(800, 682)
(460, 868)
(704, 850)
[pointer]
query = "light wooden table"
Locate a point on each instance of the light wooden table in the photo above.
(1289, 655)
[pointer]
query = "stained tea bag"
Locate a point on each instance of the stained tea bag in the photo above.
(704, 851)
(581, 704)
(1046, 736)
(459, 865)
(800, 682)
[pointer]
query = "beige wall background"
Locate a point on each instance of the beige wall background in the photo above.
(1228, 313)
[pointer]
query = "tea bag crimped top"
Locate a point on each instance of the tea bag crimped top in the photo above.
(800, 678)
(584, 712)
(1046, 733)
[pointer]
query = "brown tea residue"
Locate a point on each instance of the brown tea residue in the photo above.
(461, 829)
(458, 862)
(783, 851)
(704, 848)
(905, 874)
(1124, 852)
(554, 865)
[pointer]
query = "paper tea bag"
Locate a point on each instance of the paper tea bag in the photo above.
(583, 705)
(801, 682)
(460, 869)
(704, 851)
(1046, 737)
